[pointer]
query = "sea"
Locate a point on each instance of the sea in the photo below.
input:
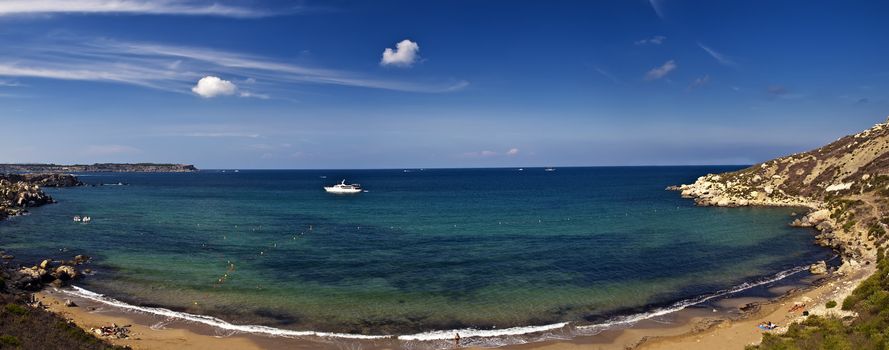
(419, 255)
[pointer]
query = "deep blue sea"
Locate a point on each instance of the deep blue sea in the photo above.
(423, 250)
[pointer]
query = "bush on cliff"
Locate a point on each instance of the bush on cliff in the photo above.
(870, 330)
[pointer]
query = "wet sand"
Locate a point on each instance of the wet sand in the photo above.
(719, 324)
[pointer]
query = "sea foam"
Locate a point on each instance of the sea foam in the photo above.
(435, 335)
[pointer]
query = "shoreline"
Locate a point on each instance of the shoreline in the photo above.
(637, 330)
(158, 331)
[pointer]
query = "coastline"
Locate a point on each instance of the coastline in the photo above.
(155, 331)
(637, 333)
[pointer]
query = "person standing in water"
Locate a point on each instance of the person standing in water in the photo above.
(456, 340)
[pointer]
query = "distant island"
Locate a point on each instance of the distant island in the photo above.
(97, 168)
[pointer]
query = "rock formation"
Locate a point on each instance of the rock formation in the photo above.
(845, 184)
(19, 192)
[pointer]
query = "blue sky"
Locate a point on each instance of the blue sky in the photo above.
(392, 84)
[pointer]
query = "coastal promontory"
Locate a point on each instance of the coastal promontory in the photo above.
(845, 184)
(97, 168)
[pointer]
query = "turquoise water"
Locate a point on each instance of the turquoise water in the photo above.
(422, 250)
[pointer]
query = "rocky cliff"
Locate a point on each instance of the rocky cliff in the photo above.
(19, 192)
(98, 167)
(845, 184)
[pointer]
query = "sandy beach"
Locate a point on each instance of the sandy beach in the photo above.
(693, 328)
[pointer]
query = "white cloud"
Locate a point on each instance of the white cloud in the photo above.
(662, 71)
(512, 152)
(152, 7)
(404, 55)
(722, 59)
(655, 40)
(211, 86)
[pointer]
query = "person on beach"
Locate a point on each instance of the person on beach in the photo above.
(457, 340)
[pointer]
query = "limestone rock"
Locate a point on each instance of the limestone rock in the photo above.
(65, 272)
(818, 268)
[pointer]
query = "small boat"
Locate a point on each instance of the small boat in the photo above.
(87, 219)
(521, 169)
(549, 169)
(77, 218)
(343, 188)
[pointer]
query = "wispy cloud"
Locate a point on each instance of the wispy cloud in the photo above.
(268, 147)
(135, 7)
(721, 58)
(217, 134)
(177, 68)
(657, 6)
(662, 71)
(489, 154)
(608, 75)
(781, 92)
(777, 90)
(699, 82)
(655, 40)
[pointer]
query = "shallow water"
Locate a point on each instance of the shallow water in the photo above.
(422, 250)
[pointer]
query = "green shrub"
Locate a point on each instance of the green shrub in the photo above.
(869, 331)
(8, 340)
(876, 230)
(16, 309)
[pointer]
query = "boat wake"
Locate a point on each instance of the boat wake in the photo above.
(472, 336)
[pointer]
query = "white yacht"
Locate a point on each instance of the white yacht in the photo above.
(343, 188)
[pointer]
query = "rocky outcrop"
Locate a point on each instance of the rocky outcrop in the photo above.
(818, 268)
(19, 192)
(98, 167)
(845, 184)
(56, 273)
